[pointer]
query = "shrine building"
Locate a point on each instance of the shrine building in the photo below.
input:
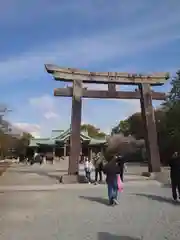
(59, 144)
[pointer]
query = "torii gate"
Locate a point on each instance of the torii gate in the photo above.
(77, 92)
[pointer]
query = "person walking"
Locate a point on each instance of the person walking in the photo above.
(112, 169)
(88, 169)
(121, 162)
(98, 164)
(175, 175)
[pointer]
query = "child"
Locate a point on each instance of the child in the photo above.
(88, 169)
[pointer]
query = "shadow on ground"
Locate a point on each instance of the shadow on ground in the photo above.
(158, 198)
(109, 236)
(166, 185)
(3, 167)
(95, 199)
(54, 175)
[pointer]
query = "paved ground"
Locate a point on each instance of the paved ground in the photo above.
(3, 167)
(81, 212)
(48, 174)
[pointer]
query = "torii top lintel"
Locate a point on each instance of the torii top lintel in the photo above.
(70, 74)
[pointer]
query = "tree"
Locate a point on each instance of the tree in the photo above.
(130, 126)
(124, 127)
(119, 144)
(172, 107)
(92, 131)
(174, 95)
(23, 142)
(8, 139)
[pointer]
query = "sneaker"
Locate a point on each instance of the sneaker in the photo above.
(115, 201)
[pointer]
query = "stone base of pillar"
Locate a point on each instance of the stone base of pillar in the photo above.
(151, 175)
(72, 179)
(69, 179)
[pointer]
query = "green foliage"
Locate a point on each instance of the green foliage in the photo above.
(122, 127)
(23, 142)
(172, 106)
(174, 95)
(8, 141)
(130, 126)
(92, 131)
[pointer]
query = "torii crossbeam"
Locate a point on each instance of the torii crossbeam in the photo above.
(77, 92)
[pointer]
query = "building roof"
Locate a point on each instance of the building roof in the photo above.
(56, 133)
(35, 142)
(66, 134)
(97, 141)
(62, 136)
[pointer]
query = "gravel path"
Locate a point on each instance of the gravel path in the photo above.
(82, 213)
(48, 174)
(33, 205)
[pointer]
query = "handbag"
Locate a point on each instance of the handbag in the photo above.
(119, 183)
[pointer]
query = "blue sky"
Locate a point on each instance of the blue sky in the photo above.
(128, 35)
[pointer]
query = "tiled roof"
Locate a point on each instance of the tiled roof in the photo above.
(61, 136)
(66, 134)
(41, 141)
(56, 133)
(97, 141)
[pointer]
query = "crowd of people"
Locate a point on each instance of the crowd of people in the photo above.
(36, 158)
(114, 171)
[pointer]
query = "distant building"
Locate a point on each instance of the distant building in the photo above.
(59, 144)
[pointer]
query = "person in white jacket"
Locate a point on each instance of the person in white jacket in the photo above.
(88, 169)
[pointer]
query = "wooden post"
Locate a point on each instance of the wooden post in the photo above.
(90, 153)
(150, 128)
(54, 152)
(111, 87)
(75, 143)
(64, 150)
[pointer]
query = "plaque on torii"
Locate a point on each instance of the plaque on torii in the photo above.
(77, 92)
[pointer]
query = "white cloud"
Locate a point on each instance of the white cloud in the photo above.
(152, 31)
(50, 115)
(46, 105)
(127, 37)
(50, 112)
(33, 129)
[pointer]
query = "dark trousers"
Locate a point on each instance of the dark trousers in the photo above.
(112, 189)
(88, 175)
(122, 175)
(175, 188)
(98, 171)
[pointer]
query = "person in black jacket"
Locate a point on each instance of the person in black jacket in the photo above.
(111, 169)
(175, 175)
(121, 161)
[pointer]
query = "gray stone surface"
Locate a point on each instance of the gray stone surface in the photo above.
(34, 206)
(145, 212)
(48, 174)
